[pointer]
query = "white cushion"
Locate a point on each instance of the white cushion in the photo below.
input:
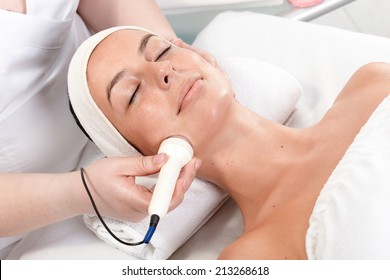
(264, 88)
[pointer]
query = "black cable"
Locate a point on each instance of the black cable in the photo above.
(152, 227)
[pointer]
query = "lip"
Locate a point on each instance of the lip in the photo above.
(190, 91)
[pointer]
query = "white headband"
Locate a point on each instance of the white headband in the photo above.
(91, 118)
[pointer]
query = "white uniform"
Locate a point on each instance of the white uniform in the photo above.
(37, 130)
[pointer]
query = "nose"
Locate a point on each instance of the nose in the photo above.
(165, 72)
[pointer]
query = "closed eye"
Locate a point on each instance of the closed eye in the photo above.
(133, 96)
(163, 52)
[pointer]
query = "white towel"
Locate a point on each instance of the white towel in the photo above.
(199, 205)
(259, 85)
(351, 217)
(263, 88)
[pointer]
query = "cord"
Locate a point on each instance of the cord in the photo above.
(154, 219)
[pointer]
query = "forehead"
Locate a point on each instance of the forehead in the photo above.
(119, 40)
(112, 55)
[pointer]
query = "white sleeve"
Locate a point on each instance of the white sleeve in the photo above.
(37, 131)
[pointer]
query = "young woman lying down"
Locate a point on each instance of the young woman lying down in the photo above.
(148, 89)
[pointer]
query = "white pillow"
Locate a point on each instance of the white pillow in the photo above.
(263, 88)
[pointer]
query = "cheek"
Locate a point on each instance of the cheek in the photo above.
(210, 114)
(148, 128)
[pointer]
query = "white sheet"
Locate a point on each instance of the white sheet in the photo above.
(321, 58)
(350, 220)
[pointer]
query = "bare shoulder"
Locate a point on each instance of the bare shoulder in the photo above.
(371, 83)
(376, 69)
(362, 94)
(241, 249)
(259, 244)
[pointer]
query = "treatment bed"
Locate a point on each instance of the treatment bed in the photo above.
(320, 58)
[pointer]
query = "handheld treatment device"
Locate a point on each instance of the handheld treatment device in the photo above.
(180, 152)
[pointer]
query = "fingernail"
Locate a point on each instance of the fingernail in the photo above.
(198, 163)
(158, 159)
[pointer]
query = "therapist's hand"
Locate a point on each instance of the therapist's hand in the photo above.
(207, 56)
(111, 182)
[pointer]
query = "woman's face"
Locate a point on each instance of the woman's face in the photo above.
(150, 90)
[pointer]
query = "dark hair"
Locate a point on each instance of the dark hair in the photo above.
(78, 122)
(83, 130)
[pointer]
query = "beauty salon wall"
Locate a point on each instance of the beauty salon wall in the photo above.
(364, 16)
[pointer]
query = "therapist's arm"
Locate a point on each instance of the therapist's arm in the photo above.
(29, 201)
(102, 14)
(16, 6)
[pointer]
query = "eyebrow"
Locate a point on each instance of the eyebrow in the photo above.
(144, 42)
(121, 74)
(114, 81)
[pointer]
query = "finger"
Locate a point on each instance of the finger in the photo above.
(145, 165)
(188, 173)
(138, 201)
(184, 181)
(178, 42)
(206, 55)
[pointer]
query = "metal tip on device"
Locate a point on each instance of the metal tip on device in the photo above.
(180, 137)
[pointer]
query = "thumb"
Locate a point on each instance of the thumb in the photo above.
(146, 165)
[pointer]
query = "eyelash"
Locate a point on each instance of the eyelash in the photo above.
(134, 94)
(137, 88)
(163, 52)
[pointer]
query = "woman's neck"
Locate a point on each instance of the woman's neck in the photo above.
(255, 156)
